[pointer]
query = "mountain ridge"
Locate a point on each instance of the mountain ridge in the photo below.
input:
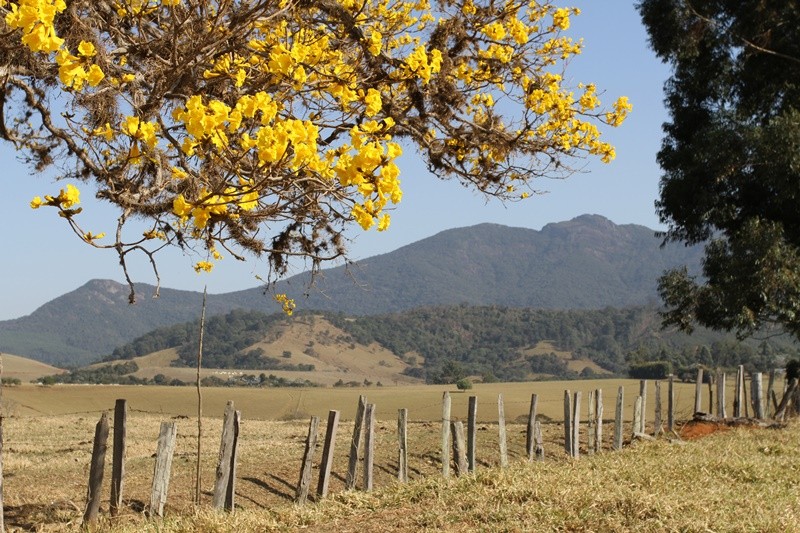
(588, 262)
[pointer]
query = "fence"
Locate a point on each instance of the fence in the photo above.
(458, 442)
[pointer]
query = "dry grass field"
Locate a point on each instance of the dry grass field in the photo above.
(48, 435)
(26, 369)
(422, 401)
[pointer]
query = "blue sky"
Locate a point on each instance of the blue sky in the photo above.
(42, 259)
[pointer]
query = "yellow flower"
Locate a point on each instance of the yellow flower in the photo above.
(286, 302)
(37, 202)
(203, 266)
(69, 197)
(86, 49)
(373, 101)
(89, 237)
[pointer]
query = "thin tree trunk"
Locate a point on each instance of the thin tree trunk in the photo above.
(197, 483)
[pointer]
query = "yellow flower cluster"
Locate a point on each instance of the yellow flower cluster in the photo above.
(35, 18)
(209, 205)
(72, 69)
(287, 303)
(66, 198)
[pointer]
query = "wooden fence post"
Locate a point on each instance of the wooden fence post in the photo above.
(118, 455)
(637, 415)
(358, 427)
(96, 470)
(327, 454)
(698, 392)
(590, 420)
(643, 394)
(598, 425)
(738, 399)
(788, 396)
(757, 396)
(458, 447)
(230, 492)
(537, 430)
(770, 410)
(618, 419)
(657, 429)
(501, 426)
(568, 422)
(721, 411)
(472, 432)
(223, 474)
(671, 404)
(576, 425)
(445, 453)
(530, 436)
(162, 468)
(369, 445)
(402, 437)
(303, 486)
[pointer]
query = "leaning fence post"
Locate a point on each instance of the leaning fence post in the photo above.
(445, 455)
(472, 432)
(457, 428)
(567, 422)
(402, 437)
(637, 415)
(96, 470)
(358, 426)
(163, 466)
(327, 454)
(223, 475)
(501, 424)
(230, 491)
(618, 419)
(304, 484)
(118, 455)
(369, 445)
(530, 438)
(576, 425)
(770, 410)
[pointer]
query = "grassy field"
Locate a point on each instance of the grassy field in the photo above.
(48, 435)
(740, 480)
(26, 369)
(422, 401)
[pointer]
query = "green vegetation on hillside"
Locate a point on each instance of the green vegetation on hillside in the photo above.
(446, 344)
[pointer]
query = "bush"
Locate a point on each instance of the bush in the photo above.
(463, 384)
(650, 370)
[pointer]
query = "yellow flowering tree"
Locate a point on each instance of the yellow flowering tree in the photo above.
(255, 127)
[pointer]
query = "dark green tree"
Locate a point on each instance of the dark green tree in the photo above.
(731, 159)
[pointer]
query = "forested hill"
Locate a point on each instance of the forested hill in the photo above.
(585, 263)
(443, 343)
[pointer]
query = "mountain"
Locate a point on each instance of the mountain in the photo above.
(585, 263)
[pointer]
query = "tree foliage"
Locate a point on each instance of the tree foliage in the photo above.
(264, 127)
(731, 159)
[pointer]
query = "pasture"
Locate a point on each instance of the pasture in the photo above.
(48, 435)
(422, 401)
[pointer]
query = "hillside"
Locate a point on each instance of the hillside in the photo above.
(25, 369)
(586, 263)
(441, 345)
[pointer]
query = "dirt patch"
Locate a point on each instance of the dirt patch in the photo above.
(696, 429)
